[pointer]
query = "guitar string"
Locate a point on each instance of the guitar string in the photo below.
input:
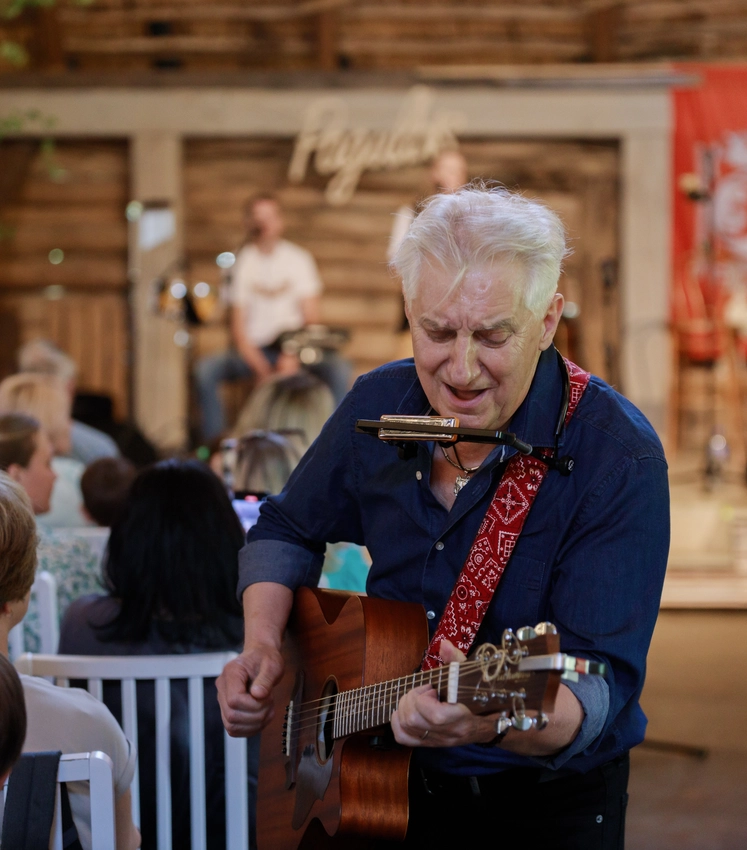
(465, 667)
(365, 699)
(353, 715)
(411, 681)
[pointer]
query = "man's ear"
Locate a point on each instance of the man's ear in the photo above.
(551, 320)
(15, 470)
(4, 609)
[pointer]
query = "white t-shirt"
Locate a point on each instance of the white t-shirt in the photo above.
(272, 288)
(71, 720)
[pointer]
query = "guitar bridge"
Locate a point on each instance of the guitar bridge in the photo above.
(290, 734)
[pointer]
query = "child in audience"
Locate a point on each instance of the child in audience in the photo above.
(105, 486)
(66, 719)
(68, 554)
(45, 398)
(171, 571)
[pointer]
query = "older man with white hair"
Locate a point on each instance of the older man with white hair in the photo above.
(480, 270)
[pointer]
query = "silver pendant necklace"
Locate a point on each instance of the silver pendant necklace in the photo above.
(466, 471)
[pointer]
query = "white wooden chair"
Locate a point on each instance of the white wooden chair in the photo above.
(44, 589)
(96, 769)
(162, 669)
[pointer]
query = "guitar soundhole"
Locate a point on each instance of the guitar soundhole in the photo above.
(325, 729)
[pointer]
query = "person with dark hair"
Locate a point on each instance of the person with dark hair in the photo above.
(12, 718)
(170, 572)
(105, 485)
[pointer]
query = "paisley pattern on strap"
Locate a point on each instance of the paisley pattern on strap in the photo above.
(495, 541)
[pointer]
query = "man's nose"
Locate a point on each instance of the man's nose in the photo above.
(464, 365)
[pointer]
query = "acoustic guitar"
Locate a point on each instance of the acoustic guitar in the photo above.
(329, 766)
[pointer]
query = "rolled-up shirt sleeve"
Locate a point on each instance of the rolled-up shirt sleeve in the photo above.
(280, 562)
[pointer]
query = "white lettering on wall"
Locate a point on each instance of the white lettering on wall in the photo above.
(419, 133)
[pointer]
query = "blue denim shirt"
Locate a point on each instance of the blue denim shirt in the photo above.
(591, 558)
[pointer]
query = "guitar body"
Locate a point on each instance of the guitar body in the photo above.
(351, 786)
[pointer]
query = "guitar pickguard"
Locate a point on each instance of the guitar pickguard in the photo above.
(312, 781)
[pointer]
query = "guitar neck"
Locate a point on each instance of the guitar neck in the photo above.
(365, 708)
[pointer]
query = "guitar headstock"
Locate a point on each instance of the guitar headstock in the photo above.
(519, 678)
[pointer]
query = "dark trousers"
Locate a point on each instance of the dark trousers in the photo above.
(532, 807)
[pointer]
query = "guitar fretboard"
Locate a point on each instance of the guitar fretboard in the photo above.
(373, 705)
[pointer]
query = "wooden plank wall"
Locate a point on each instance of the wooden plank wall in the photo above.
(578, 179)
(75, 202)
(371, 34)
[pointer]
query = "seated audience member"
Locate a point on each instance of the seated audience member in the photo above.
(12, 718)
(170, 571)
(42, 357)
(45, 398)
(66, 719)
(105, 486)
(68, 554)
(264, 462)
(301, 404)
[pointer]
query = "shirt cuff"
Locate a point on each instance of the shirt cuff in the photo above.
(279, 562)
(594, 695)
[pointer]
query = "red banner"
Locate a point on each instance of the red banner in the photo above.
(710, 203)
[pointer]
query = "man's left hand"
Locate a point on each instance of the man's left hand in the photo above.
(422, 721)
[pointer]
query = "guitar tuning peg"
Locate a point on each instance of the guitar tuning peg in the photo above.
(545, 629)
(541, 720)
(526, 633)
(522, 723)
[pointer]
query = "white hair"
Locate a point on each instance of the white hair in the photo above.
(474, 226)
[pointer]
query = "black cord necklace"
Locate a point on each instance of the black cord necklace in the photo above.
(461, 480)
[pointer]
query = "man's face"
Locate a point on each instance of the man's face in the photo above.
(476, 349)
(38, 478)
(267, 219)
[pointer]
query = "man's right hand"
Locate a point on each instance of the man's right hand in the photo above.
(245, 690)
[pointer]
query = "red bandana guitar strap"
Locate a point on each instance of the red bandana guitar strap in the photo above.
(495, 541)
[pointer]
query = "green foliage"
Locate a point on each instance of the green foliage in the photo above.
(13, 53)
(16, 122)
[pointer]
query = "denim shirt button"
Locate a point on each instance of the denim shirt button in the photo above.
(430, 614)
(439, 545)
(419, 475)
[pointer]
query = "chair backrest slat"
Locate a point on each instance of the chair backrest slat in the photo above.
(163, 763)
(96, 689)
(237, 806)
(197, 762)
(129, 724)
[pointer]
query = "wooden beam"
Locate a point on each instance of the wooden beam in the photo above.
(603, 27)
(327, 36)
(15, 161)
(208, 11)
(48, 51)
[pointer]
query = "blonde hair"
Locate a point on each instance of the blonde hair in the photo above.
(18, 541)
(299, 402)
(42, 357)
(264, 462)
(43, 397)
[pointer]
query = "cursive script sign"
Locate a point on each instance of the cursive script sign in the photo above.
(419, 133)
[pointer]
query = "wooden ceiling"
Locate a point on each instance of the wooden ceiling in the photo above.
(234, 35)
